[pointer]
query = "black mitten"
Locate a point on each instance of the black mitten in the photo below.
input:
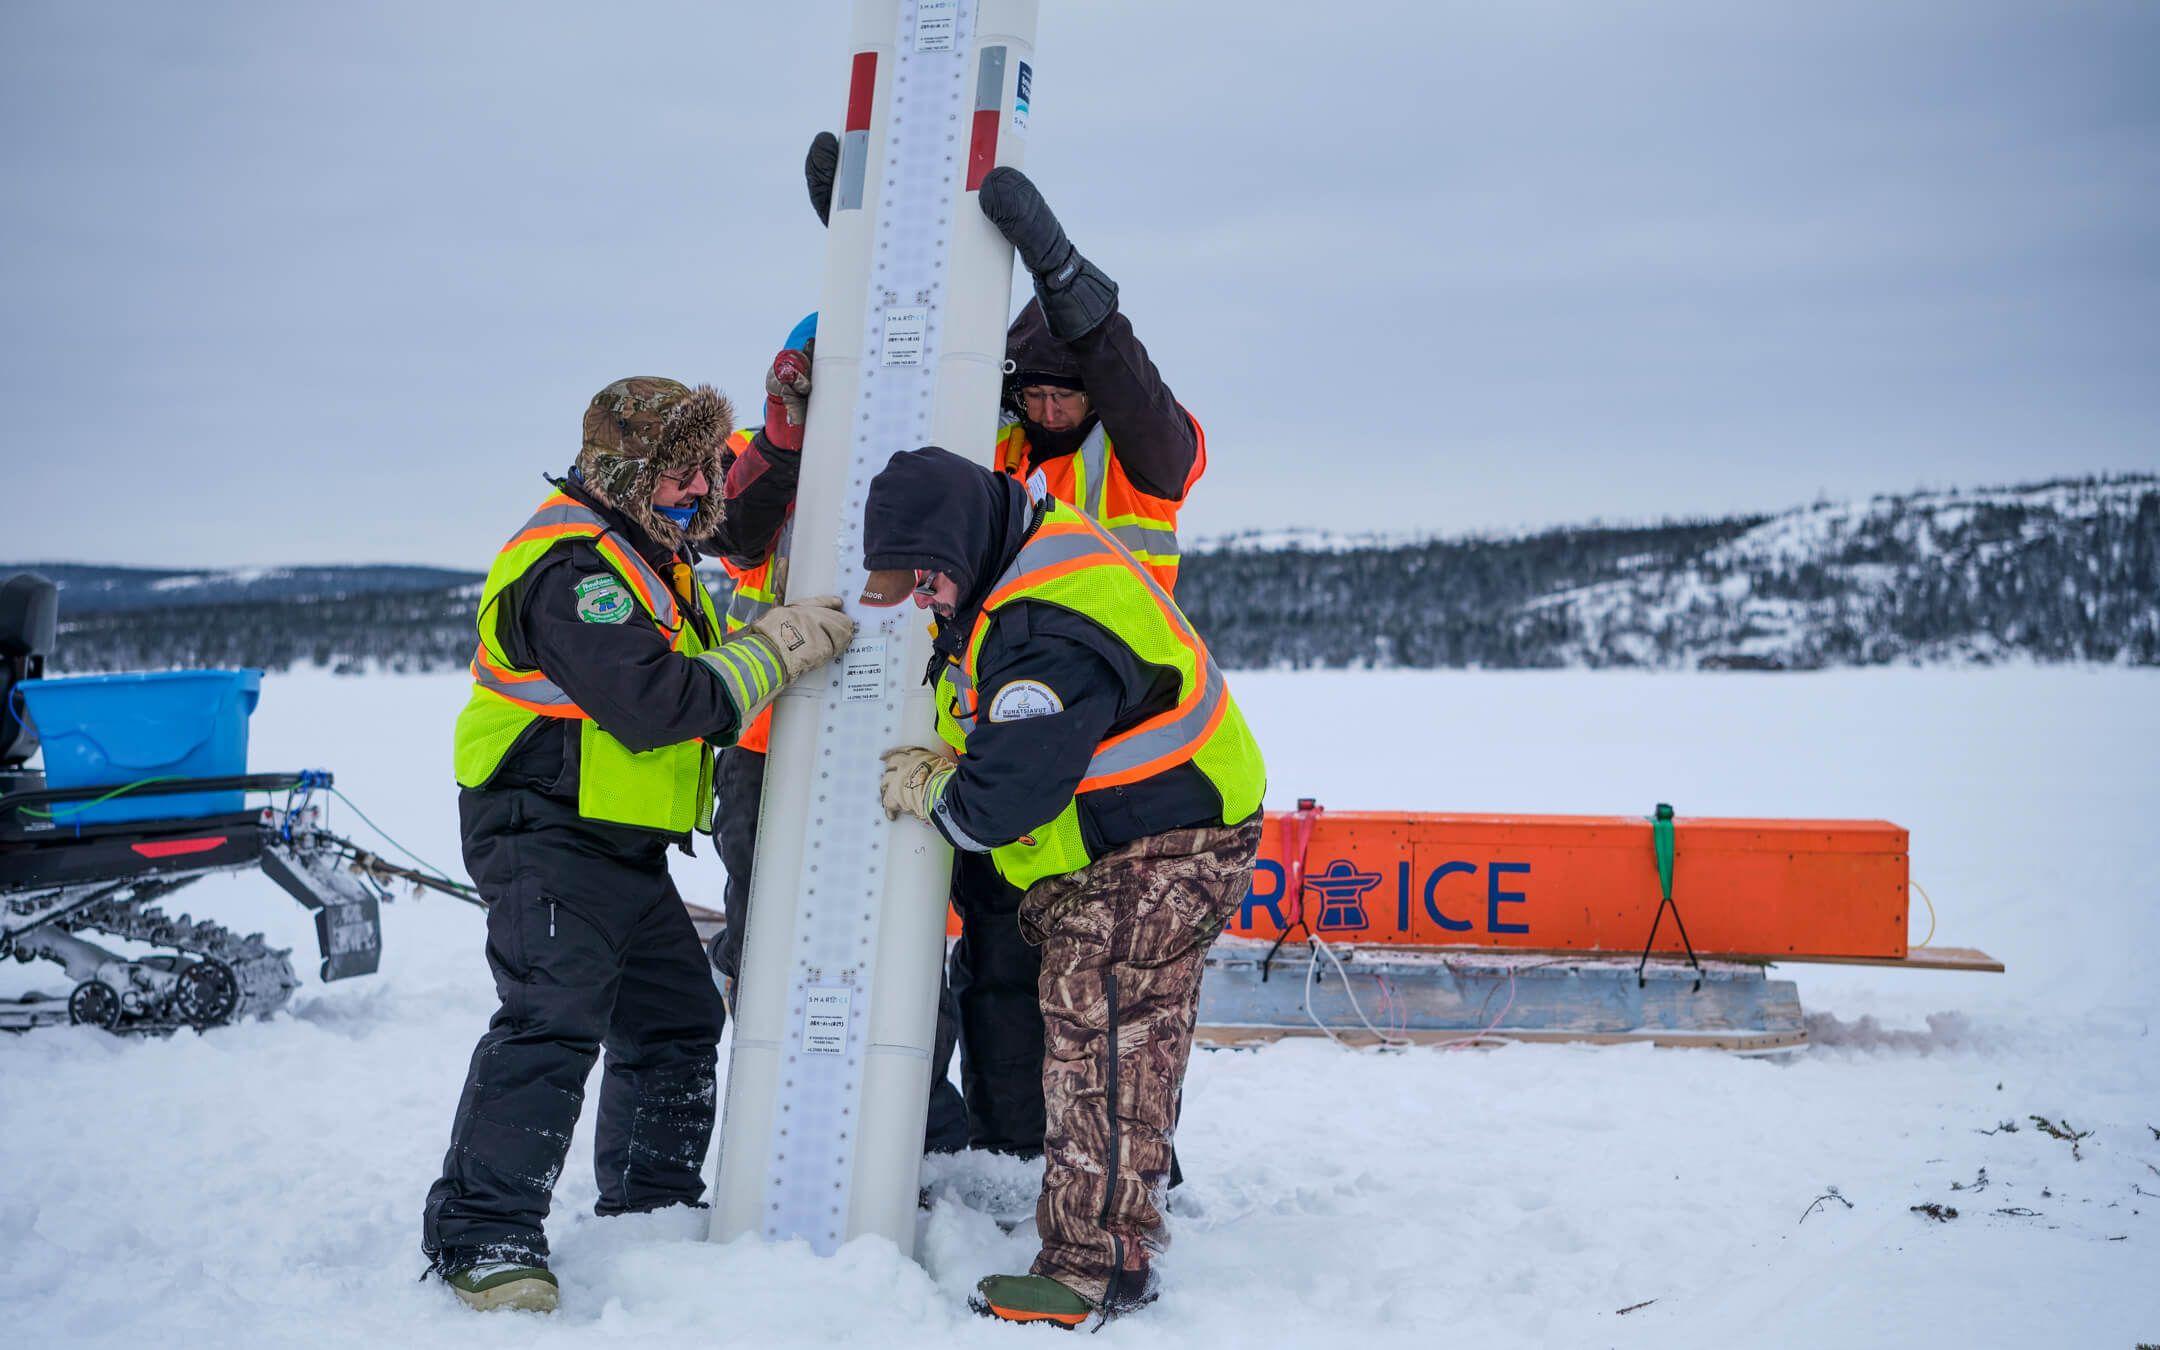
(818, 169)
(1075, 295)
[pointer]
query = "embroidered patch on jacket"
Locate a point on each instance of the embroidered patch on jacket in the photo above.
(602, 599)
(1023, 699)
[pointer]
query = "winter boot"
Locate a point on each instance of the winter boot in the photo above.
(1030, 1298)
(1038, 1298)
(1130, 1289)
(489, 1285)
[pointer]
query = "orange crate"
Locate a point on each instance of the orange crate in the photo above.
(1589, 883)
(1797, 888)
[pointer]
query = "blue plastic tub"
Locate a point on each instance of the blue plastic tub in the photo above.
(107, 730)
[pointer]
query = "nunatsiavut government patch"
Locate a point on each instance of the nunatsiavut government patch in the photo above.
(602, 599)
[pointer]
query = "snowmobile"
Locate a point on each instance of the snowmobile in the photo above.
(66, 881)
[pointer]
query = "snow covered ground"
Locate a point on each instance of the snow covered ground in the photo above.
(261, 1185)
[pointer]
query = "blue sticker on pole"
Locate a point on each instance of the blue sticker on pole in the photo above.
(1020, 97)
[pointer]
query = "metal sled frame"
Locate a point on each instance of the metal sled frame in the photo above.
(58, 881)
(1402, 996)
(1396, 995)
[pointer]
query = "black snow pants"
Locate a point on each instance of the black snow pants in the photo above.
(738, 787)
(993, 979)
(590, 947)
(739, 784)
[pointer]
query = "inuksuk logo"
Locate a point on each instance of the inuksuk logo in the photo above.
(1342, 891)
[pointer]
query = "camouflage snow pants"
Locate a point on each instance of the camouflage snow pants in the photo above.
(1122, 942)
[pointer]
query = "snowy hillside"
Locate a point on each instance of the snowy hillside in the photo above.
(2055, 572)
(1954, 577)
(2062, 572)
(1294, 539)
(87, 588)
(261, 1185)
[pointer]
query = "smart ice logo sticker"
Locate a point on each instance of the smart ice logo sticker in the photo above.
(602, 599)
(1020, 98)
(1348, 902)
(1023, 699)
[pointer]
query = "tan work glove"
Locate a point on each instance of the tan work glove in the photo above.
(808, 634)
(756, 663)
(913, 780)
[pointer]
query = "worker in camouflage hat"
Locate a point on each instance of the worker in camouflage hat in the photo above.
(603, 681)
(644, 429)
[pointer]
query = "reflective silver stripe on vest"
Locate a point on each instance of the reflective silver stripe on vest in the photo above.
(570, 513)
(543, 691)
(1094, 458)
(1048, 550)
(963, 686)
(573, 513)
(662, 594)
(1182, 732)
(1157, 541)
(745, 609)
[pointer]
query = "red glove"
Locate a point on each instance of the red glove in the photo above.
(787, 399)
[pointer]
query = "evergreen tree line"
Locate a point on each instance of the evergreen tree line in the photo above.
(416, 631)
(1939, 579)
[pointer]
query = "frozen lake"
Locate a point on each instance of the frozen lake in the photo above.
(261, 1185)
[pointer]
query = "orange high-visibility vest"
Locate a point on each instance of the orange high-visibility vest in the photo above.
(1092, 479)
(757, 590)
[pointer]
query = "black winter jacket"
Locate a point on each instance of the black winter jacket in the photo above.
(758, 487)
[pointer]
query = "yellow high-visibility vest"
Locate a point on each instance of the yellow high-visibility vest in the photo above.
(669, 788)
(1074, 563)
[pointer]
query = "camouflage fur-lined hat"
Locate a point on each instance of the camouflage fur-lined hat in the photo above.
(641, 428)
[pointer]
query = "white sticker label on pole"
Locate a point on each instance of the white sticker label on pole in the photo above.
(862, 670)
(825, 1019)
(936, 22)
(904, 334)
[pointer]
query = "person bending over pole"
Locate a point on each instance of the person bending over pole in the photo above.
(1093, 754)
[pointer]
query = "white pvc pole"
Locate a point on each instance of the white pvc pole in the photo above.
(836, 1007)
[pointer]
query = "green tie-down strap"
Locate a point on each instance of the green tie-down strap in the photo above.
(1661, 844)
(1661, 834)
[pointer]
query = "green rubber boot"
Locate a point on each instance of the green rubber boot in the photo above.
(1030, 1298)
(504, 1284)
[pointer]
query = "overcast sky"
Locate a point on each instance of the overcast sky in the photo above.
(290, 283)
